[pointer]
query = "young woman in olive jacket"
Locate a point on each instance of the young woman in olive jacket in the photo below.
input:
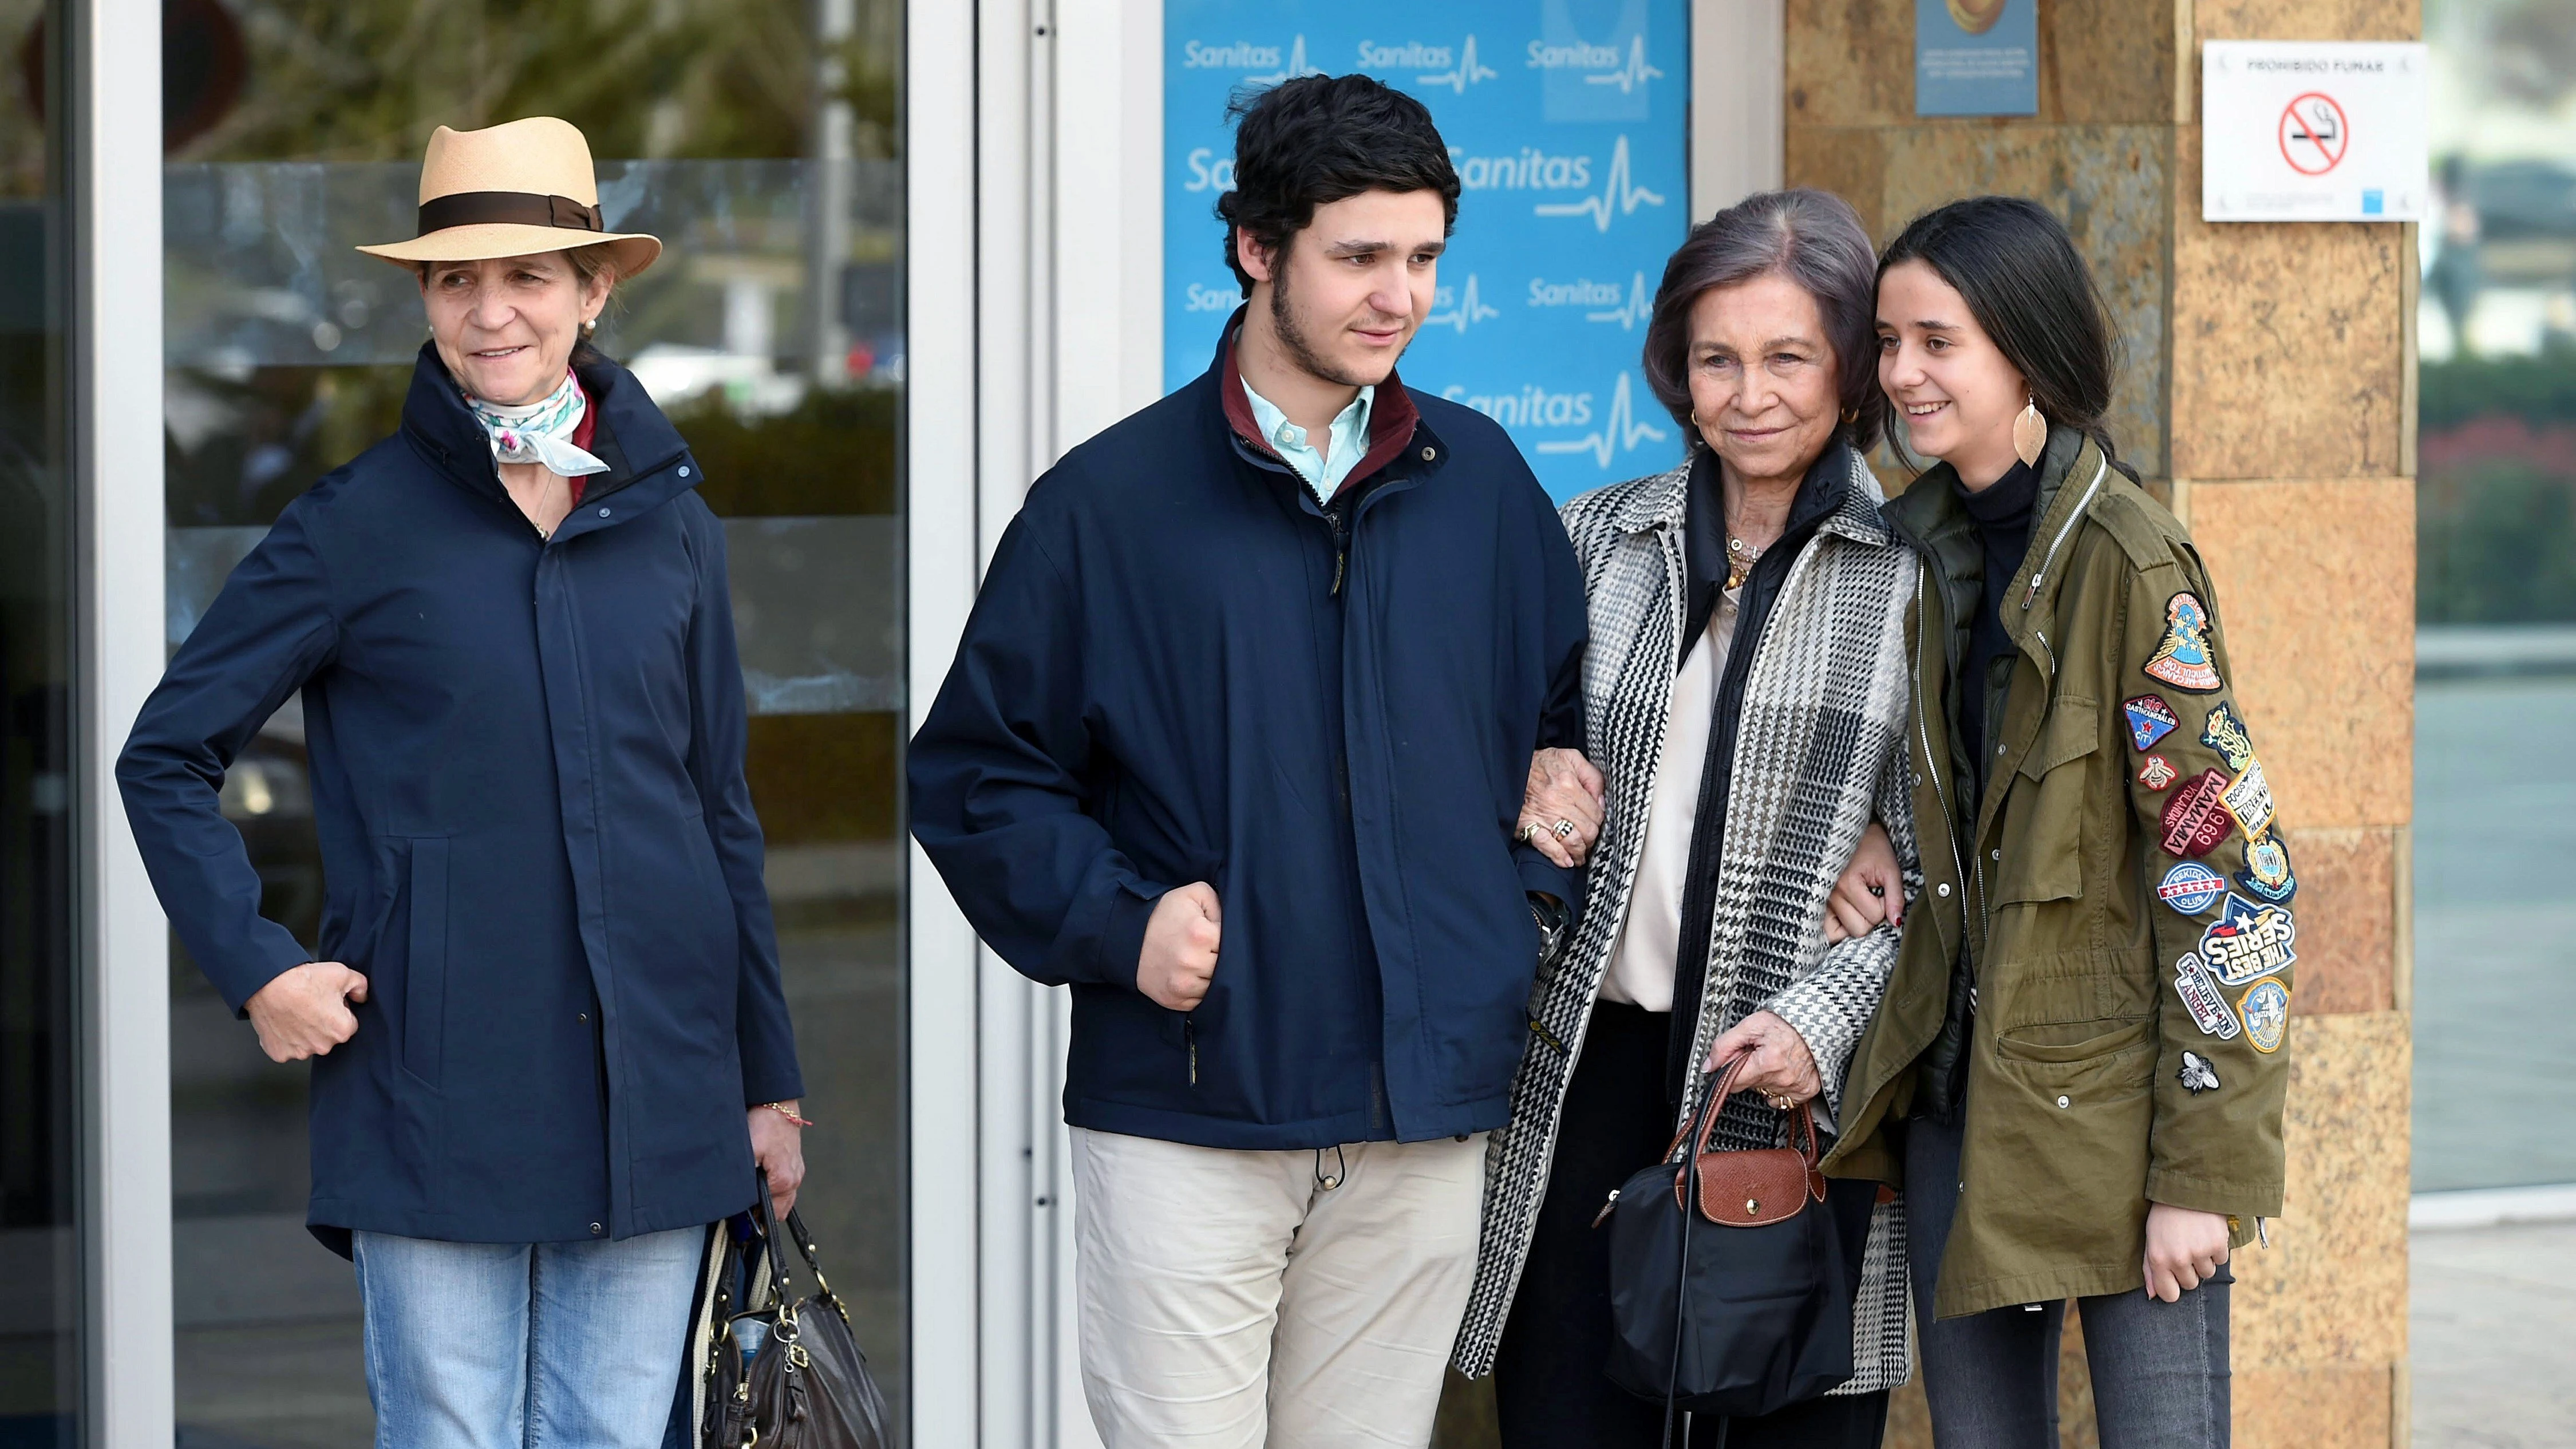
(2080, 1064)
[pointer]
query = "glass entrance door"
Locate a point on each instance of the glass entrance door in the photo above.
(40, 1378)
(758, 139)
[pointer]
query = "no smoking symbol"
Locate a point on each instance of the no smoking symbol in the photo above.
(2313, 134)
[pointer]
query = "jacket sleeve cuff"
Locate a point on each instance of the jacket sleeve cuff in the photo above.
(771, 1085)
(2213, 1195)
(1542, 876)
(243, 976)
(1122, 936)
(1832, 1005)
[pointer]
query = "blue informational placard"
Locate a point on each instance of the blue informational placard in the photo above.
(1976, 57)
(1568, 121)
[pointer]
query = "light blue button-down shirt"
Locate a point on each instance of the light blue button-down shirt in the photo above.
(1323, 472)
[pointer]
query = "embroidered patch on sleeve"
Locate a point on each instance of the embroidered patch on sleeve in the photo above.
(2150, 719)
(2209, 1010)
(2197, 1074)
(2195, 816)
(2157, 773)
(2182, 659)
(2226, 734)
(2267, 871)
(2250, 801)
(2191, 888)
(2248, 941)
(2266, 1009)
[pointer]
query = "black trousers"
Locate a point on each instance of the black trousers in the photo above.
(1549, 1390)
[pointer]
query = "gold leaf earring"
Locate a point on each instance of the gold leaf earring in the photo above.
(2030, 433)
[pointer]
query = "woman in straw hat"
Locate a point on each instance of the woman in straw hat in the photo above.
(544, 1015)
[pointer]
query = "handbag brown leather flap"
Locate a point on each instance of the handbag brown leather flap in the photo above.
(1755, 1188)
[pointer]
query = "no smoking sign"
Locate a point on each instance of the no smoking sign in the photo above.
(2314, 135)
(2313, 131)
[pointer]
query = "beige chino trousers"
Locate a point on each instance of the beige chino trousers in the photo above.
(1234, 1300)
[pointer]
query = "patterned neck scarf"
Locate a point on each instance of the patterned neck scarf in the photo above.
(540, 432)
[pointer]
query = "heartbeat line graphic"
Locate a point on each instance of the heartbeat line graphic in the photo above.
(1620, 431)
(1630, 76)
(1617, 191)
(1639, 306)
(1471, 309)
(1469, 71)
(1296, 67)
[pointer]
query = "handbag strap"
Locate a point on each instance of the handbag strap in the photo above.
(1801, 1125)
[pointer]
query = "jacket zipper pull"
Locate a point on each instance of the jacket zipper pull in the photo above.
(1603, 1216)
(1340, 557)
(1190, 1038)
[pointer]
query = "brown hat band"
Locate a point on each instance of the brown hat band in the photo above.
(517, 208)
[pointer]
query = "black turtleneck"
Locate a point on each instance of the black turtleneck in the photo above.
(2002, 512)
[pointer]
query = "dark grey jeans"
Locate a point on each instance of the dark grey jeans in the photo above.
(2159, 1369)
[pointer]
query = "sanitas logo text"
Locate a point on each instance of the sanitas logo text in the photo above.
(1531, 170)
(1411, 55)
(1239, 55)
(1578, 56)
(1585, 293)
(1532, 407)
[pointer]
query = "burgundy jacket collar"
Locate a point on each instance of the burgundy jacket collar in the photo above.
(1392, 417)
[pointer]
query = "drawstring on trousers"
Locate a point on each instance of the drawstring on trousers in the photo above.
(1341, 1169)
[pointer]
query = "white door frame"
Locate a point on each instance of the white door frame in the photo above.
(1034, 140)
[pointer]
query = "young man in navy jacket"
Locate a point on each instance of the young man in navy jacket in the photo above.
(1234, 748)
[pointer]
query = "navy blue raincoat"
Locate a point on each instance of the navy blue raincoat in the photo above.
(1182, 669)
(537, 842)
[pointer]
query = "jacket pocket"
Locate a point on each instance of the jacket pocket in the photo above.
(2043, 828)
(2073, 1041)
(425, 970)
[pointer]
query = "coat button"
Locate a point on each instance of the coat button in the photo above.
(1995, 854)
(596, 1230)
(2063, 1102)
(684, 470)
(585, 1016)
(1430, 453)
(603, 513)
(1945, 887)
(1999, 749)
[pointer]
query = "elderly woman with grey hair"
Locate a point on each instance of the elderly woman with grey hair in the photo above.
(1745, 692)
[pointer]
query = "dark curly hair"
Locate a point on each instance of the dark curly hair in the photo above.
(1319, 139)
(1814, 239)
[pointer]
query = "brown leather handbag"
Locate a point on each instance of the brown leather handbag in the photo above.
(1731, 1281)
(807, 1385)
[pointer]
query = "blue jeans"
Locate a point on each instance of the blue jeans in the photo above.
(2159, 1369)
(525, 1346)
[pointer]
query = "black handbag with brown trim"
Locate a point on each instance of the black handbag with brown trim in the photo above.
(1731, 1276)
(807, 1384)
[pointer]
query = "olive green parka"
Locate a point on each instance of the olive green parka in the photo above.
(2119, 893)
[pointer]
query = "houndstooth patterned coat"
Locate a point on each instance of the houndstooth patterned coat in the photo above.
(1819, 752)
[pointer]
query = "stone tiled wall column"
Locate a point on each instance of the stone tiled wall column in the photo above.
(2268, 396)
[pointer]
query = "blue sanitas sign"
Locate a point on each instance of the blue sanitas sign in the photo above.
(1568, 121)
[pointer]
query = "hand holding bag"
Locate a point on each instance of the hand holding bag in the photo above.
(1731, 1281)
(808, 1385)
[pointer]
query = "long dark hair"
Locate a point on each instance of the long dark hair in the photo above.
(2011, 260)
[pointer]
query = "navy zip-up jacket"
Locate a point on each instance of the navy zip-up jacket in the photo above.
(537, 843)
(1180, 670)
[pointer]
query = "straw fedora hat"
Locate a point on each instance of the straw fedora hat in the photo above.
(508, 191)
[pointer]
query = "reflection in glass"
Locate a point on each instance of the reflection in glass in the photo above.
(755, 137)
(40, 1381)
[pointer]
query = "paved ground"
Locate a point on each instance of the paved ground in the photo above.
(2494, 1337)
